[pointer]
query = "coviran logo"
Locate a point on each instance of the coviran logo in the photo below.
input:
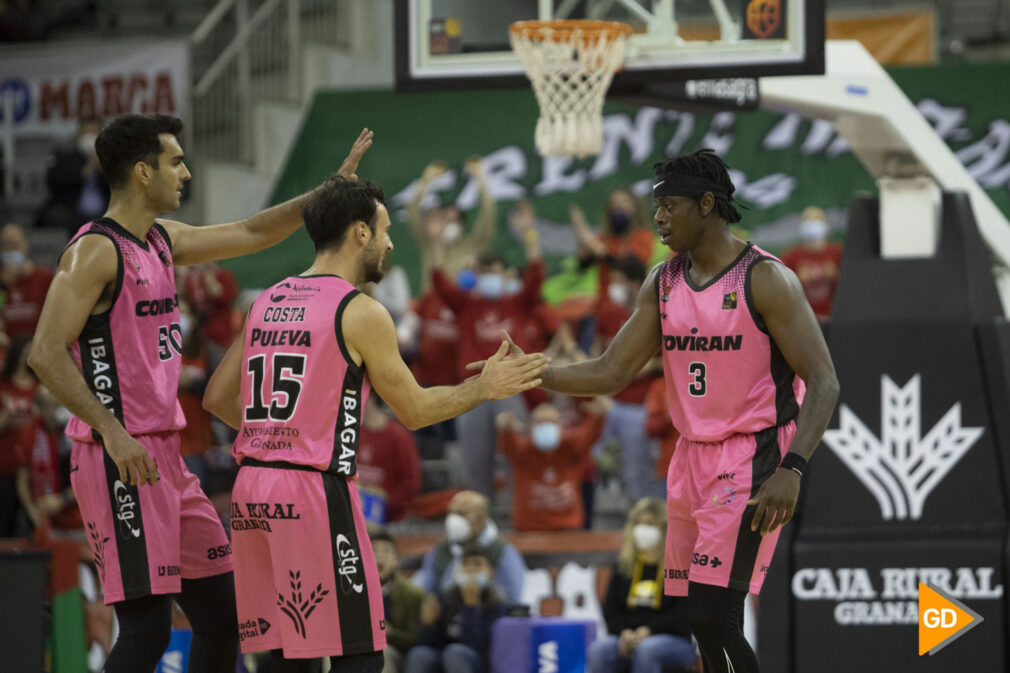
(901, 468)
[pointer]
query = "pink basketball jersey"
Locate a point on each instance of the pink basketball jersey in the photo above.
(724, 373)
(130, 354)
(302, 394)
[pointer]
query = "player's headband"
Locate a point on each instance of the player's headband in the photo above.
(678, 184)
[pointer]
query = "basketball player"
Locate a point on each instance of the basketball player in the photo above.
(108, 346)
(294, 385)
(750, 386)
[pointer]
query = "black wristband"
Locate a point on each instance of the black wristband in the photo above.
(794, 462)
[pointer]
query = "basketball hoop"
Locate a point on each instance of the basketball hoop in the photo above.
(570, 64)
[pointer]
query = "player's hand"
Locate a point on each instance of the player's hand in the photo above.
(135, 465)
(505, 375)
(350, 166)
(430, 610)
(513, 351)
(776, 501)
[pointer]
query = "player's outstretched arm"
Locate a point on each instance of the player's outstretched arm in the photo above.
(371, 339)
(84, 273)
(223, 395)
(627, 353)
(778, 297)
(195, 245)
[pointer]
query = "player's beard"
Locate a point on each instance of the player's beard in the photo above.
(374, 263)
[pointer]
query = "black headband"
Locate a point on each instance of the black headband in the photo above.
(678, 184)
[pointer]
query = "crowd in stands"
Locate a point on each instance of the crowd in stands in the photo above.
(540, 456)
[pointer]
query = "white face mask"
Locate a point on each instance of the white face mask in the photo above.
(453, 230)
(618, 293)
(646, 536)
(457, 528)
(546, 436)
(813, 230)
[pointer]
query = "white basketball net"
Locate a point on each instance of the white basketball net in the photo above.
(570, 77)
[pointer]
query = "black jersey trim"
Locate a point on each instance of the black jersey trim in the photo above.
(123, 231)
(164, 234)
(338, 329)
(715, 279)
(759, 322)
(96, 320)
(130, 537)
(347, 427)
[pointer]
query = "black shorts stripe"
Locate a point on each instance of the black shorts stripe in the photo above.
(767, 457)
(130, 537)
(348, 569)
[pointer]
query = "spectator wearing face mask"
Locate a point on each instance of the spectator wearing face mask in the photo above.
(626, 421)
(649, 631)
(469, 521)
(25, 283)
(401, 601)
(455, 632)
(548, 464)
(816, 262)
(482, 315)
(625, 230)
(445, 227)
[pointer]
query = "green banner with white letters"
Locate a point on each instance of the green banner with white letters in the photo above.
(781, 163)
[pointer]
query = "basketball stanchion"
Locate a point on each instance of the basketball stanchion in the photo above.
(571, 64)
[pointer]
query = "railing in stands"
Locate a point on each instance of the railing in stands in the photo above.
(246, 50)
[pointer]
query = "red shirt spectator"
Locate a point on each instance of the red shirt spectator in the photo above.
(548, 468)
(481, 319)
(211, 290)
(817, 269)
(25, 283)
(816, 262)
(614, 304)
(17, 417)
(658, 425)
(388, 459)
(438, 337)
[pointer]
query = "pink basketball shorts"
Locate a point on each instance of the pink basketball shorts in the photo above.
(146, 539)
(708, 537)
(305, 575)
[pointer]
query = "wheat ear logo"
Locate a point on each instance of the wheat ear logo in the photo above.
(297, 609)
(97, 548)
(902, 467)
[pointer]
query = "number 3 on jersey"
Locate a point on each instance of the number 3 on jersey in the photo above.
(698, 387)
(283, 394)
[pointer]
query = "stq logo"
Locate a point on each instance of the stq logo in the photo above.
(350, 561)
(901, 468)
(127, 513)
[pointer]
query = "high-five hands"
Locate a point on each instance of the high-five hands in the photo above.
(350, 165)
(510, 371)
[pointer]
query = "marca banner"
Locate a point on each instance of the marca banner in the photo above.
(781, 163)
(53, 86)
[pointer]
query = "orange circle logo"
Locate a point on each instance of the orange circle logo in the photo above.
(764, 17)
